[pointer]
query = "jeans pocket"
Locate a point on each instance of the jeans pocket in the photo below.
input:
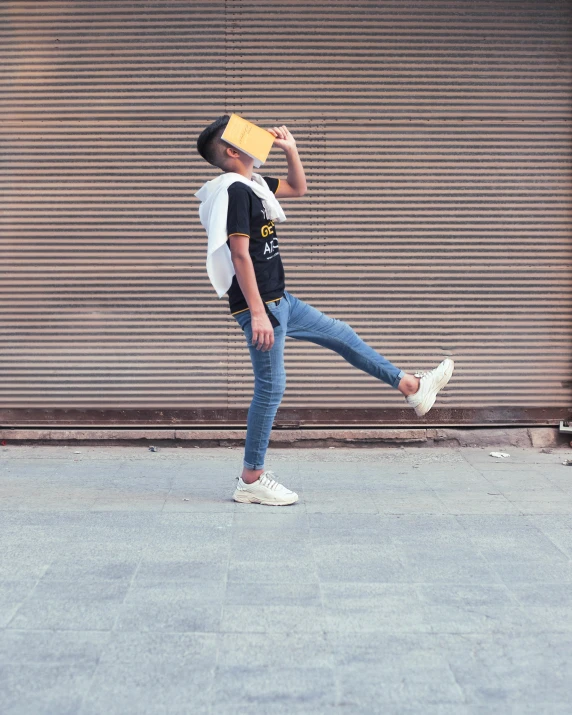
(270, 312)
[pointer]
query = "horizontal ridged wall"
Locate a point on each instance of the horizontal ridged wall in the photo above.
(436, 140)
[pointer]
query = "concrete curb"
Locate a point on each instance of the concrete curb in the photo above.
(442, 436)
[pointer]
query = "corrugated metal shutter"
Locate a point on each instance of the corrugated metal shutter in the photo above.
(436, 140)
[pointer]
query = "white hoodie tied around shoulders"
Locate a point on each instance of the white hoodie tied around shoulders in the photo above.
(213, 211)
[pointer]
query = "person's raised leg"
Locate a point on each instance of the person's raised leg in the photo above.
(420, 390)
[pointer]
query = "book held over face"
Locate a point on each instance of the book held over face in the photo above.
(249, 138)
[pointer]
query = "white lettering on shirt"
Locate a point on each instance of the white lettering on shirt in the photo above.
(270, 246)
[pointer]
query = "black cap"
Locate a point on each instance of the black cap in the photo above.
(206, 135)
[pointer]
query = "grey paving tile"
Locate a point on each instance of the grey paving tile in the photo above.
(562, 480)
(472, 502)
(156, 649)
(540, 496)
(525, 468)
(543, 619)
(472, 609)
(195, 502)
(551, 523)
(191, 569)
(153, 672)
(359, 563)
(511, 572)
(278, 520)
(156, 524)
(19, 522)
(520, 707)
(262, 618)
(481, 597)
(191, 536)
(120, 527)
(418, 650)
(372, 687)
(425, 528)
(177, 607)
(452, 479)
(388, 672)
(21, 565)
(282, 690)
(518, 456)
(12, 595)
(344, 501)
(552, 595)
(54, 502)
(445, 564)
(509, 480)
(90, 556)
(543, 503)
(334, 537)
(370, 522)
(30, 549)
(10, 503)
(270, 549)
(509, 668)
(179, 524)
(547, 605)
(42, 689)
(78, 590)
(290, 571)
(92, 567)
(152, 502)
(65, 605)
(419, 502)
(275, 650)
(370, 607)
(51, 647)
(213, 548)
(126, 688)
(277, 594)
(398, 484)
(500, 538)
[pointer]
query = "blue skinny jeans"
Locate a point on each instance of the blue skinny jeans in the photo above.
(303, 322)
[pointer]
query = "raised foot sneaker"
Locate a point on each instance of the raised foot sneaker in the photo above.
(265, 490)
(429, 385)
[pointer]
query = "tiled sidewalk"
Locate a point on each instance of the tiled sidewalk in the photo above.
(404, 581)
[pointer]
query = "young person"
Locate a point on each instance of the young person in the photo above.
(239, 209)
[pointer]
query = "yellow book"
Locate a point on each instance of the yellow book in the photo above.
(249, 138)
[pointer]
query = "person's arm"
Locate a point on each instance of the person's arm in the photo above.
(262, 330)
(295, 184)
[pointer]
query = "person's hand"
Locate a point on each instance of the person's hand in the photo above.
(282, 138)
(262, 332)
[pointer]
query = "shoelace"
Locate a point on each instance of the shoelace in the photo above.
(266, 481)
(421, 373)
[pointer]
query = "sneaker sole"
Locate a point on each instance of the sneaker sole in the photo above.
(440, 385)
(251, 499)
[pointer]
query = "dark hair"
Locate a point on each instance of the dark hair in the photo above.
(208, 139)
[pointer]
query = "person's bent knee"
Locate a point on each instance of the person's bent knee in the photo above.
(267, 396)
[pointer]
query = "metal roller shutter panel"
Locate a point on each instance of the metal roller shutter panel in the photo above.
(436, 142)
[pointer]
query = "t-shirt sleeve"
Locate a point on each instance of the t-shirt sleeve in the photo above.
(238, 217)
(272, 183)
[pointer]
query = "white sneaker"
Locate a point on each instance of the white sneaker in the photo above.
(265, 490)
(429, 385)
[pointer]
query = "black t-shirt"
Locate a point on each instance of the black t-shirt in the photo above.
(247, 216)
